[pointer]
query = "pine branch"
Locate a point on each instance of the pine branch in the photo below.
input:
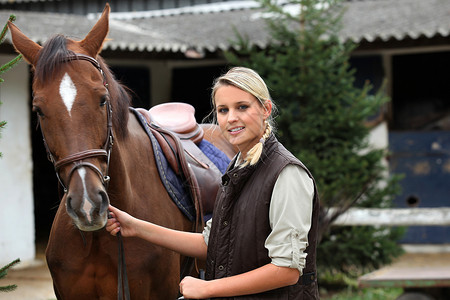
(4, 272)
(8, 288)
(11, 63)
(6, 67)
(12, 18)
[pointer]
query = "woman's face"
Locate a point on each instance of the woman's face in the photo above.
(240, 116)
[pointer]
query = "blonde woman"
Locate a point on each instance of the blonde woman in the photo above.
(261, 240)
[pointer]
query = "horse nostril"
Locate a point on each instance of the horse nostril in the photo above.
(69, 207)
(105, 201)
(69, 203)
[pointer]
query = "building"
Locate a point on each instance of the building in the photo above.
(171, 51)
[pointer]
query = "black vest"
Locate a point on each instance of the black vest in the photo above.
(241, 224)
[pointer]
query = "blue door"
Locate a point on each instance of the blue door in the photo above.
(424, 159)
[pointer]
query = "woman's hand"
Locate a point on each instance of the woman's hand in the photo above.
(184, 242)
(120, 221)
(193, 288)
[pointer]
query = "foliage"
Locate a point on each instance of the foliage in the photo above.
(4, 68)
(4, 272)
(7, 66)
(363, 247)
(340, 286)
(323, 121)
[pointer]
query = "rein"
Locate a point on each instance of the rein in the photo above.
(123, 291)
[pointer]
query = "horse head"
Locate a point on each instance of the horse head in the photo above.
(72, 101)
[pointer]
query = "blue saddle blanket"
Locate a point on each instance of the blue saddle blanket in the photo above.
(174, 184)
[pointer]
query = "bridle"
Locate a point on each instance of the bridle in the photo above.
(77, 158)
(123, 291)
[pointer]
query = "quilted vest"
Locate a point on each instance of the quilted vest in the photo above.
(241, 224)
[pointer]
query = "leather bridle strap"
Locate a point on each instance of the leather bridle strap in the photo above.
(79, 56)
(77, 158)
(123, 290)
(80, 156)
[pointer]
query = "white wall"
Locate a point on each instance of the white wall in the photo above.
(379, 136)
(16, 178)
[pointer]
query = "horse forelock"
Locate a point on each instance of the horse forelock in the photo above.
(51, 60)
(51, 57)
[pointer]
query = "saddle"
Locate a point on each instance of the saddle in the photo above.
(178, 134)
(177, 117)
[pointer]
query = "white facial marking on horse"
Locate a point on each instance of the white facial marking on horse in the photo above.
(68, 91)
(86, 206)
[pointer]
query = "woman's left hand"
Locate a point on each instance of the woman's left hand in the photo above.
(193, 288)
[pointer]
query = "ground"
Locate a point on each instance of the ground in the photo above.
(33, 281)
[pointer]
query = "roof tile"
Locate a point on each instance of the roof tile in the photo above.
(211, 27)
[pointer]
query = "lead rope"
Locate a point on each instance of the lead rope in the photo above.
(122, 277)
(123, 288)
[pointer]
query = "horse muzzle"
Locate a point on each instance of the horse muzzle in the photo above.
(87, 202)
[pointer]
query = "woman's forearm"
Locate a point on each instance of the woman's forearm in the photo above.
(266, 278)
(263, 279)
(186, 243)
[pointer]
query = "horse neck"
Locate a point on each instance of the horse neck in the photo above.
(132, 167)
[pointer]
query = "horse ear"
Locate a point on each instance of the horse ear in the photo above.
(93, 41)
(24, 45)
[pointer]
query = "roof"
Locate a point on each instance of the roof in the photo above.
(210, 27)
(25, 1)
(396, 19)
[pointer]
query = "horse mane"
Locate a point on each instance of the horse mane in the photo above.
(50, 61)
(120, 100)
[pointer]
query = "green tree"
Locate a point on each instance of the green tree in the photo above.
(4, 68)
(4, 272)
(323, 121)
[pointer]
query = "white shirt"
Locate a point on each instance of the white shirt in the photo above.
(290, 216)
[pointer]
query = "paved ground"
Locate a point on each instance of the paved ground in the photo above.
(412, 270)
(35, 283)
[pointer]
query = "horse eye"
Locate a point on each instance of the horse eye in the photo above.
(103, 100)
(37, 110)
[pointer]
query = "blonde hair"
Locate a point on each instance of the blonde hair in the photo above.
(249, 81)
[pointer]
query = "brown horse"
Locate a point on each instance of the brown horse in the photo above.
(91, 136)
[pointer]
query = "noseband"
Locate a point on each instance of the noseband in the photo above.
(77, 158)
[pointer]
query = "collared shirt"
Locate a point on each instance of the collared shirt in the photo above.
(290, 218)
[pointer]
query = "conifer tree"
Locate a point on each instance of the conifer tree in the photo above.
(322, 120)
(7, 66)
(4, 68)
(4, 272)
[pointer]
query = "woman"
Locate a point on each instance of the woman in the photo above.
(261, 241)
